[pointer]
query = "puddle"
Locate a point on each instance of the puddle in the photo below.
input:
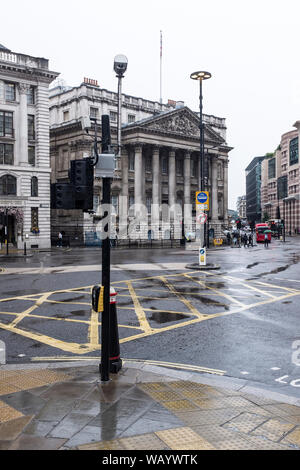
(79, 313)
(164, 317)
(252, 265)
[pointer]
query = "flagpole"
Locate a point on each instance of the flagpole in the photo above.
(160, 100)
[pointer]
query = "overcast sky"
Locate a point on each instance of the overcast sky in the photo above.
(250, 47)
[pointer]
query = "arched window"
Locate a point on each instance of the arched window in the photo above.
(34, 187)
(8, 185)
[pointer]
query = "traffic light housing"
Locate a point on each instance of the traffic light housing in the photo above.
(238, 224)
(62, 196)
(78, 193)
(81, 175)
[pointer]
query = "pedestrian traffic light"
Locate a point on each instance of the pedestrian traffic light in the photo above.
(238, 224)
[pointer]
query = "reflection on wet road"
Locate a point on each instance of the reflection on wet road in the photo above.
(146, 306)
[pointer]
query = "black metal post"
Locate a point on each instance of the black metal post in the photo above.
(201, 139)
(105, 324)
(25, 253)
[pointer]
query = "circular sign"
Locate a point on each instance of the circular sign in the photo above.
(201, 218)
(202, 251)
(202, 198)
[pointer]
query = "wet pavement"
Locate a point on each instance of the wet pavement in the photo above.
(143, 407)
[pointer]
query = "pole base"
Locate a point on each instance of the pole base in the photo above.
(115, 366)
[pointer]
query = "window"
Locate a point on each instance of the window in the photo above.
(35, 219)
(193, 168)
(31, 95)
(220, 171)
(179, 167)
(148, 163)
(113, 116)
(282, 187)
(31, 155)
(6, 124)
(10, 92)
(96, 202)
(294, 151)
(66, 116)
(148, 204)
(6, 154)
(34, 187)
(115, 204)
(31, 130)
(164, 166)
(131, 162)
(271, 168)
(94, 113)
(8, 185)
(131, 118)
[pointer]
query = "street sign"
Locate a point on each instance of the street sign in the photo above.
(202, 197)
(202, 256)
(201, 218)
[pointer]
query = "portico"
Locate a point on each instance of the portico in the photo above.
(160, 165)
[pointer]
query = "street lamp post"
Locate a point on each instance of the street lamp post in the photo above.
(201, 75)
(120, 66)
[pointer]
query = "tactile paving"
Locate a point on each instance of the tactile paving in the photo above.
(7, 413)
(184, 439)
(273, 429)
(245, 422)
(143, 442)
(292, 438)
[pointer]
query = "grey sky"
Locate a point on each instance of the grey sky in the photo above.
(250, 48)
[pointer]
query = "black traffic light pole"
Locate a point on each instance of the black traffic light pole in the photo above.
(106, 200)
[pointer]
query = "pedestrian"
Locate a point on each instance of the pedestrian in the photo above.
(266, 242)
(250, 240)
(245, 240)
(60, 237)
(228, 238)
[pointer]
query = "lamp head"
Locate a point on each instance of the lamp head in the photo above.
(200, 75)
(120, 64)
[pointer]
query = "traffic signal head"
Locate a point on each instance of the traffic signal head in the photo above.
(62, 196)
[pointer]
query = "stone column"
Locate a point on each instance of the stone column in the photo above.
(225, 196)
(187, 208)
(23, 125)
(138, 176)
(155, 186)
(187, 177)
(172, 178)
(214, 189)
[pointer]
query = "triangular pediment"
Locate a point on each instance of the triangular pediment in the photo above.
(181, 122)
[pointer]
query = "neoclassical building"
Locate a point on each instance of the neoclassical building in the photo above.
(159, 162)
(24, 149)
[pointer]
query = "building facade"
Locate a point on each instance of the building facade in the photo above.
(241, 207)
(253, 190)
(24, 149)
(281, 182)
(159, 161)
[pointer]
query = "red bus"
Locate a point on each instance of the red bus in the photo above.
(260, 232)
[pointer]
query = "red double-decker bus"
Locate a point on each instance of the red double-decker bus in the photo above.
(260, 232)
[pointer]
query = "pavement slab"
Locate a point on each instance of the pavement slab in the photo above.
(138, 409)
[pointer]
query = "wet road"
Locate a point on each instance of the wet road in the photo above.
(241, 321)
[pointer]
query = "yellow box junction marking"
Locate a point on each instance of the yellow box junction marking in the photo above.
(142, 328)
